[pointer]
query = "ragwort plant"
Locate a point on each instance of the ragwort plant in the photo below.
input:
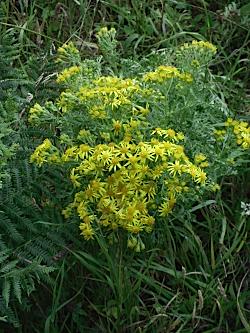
(135, 148)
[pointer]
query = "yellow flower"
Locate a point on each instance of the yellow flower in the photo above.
(141, 110)
(201, 45)
(105, 136)
(70, 154)
(67, 48)
(88, 219)
(186, 77)
(200, 176)
(123, 181)
(146, 153)
(104, 32)
(229, 122)
(241, 130)
(84, 151)
(35, 112)
(132, 160)
(117, 126)
(159, 131)
(83, 134)
(75, 178)
(149, 221)
(132, 242)
(67, 211)
(97, 187)
(105, 157)
(87, 231)
(66, 51)
(199, 158)
(130, 213)
(204, 164)
(214, 187)
(159, 151)
(124, 149)
(141, 206)
(195, 63)
(41, 153)
(163, 73)
(67, 73)
(157, 172)
(134, 123)
(82, 210)
(174, 168)
(115, 163)
(150, 189)
(167, 207)
(98, 112)
(180, 136)
(135, 226)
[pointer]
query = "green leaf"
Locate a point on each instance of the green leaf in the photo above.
(17, 288)
(6, 291)
(201, 205)
(245, 10)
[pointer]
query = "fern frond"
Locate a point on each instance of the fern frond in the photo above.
(6, 291)
(8, 314)
(10, 229)
(16, 281)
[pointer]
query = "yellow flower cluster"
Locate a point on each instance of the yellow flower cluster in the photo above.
(66, 101)
(104, 32)
(241, 130)
(35, 112)
(168, 134)
(201, 46)
(67, 51)
(124, 183)
(67, 48)
(45, 153)
(220, 134)
(214, 187)
(163, 73)
(116, 82)
(126, 173)
(67, 73)
(108, 91)
(107, 44)
(200, 159)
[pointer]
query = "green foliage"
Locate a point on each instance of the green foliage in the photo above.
(12, 80)
(193, 275)
(129, 141)
(184, 273)
(30, 250)
(27, 247)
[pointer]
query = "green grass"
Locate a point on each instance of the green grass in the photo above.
(194, 275)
